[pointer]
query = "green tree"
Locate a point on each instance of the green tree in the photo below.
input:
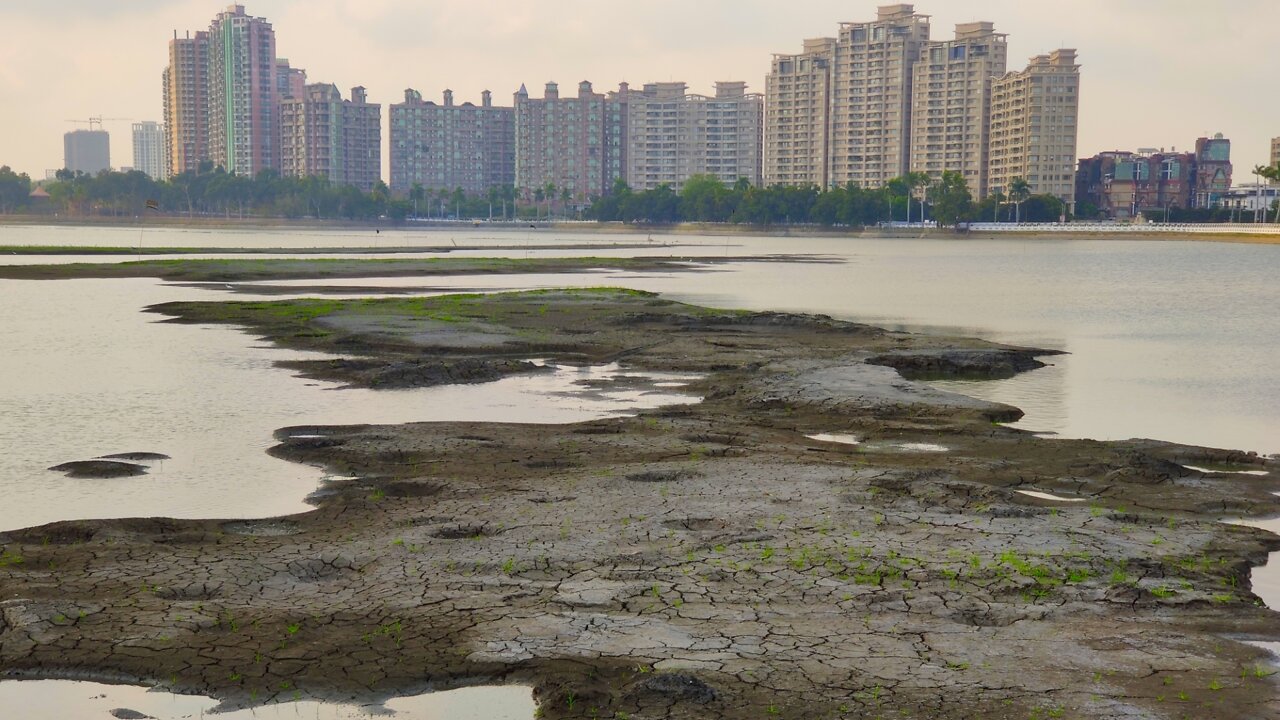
(1019, 191)
(15, 190)
(952, 203)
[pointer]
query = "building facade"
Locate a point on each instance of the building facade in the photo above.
(1213, 170)
(574, 147)
(186, 103)
(882, 99)
(449, 146)
(328, 137)
(798, 116)
(673, 135)
(1034, 125)
(149, 154)
(871, 94)
(244, 98)
(1123, 184)
(87, 151)
(951, 104)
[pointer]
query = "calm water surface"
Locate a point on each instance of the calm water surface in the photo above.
(69, 700)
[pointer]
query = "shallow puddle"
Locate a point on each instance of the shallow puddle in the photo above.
(909, 447)
(1225, 470)
(1271, 647)
(1047, 496)
(1266, 579)
(840, 438)
(65, 699)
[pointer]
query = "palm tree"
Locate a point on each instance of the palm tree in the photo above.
(916, 180)
(1019, 191)
(999, 199)
(1271, 173)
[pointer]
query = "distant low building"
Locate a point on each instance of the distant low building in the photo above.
(87, 151)
(1123, 184)
(1251, 198)
(1213, 170)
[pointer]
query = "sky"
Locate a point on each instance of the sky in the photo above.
(1156, 73)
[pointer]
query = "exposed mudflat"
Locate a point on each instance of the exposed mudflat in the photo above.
(694, 562)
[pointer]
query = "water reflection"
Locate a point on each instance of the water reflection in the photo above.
(88, 375)
(63, 699)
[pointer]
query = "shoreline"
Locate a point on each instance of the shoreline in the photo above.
(710, 560)
(682, 229)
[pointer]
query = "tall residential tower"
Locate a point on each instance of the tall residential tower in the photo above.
(327, 137)
(798, 116)
(149, 150)
(951, 103)
(871, 96)
(448, 146)
(244, 131)
(1034, 125)
(186, 102)
(576, 146)
(674, 135)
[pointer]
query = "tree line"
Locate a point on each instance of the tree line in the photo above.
(210, 191)
(914, 197)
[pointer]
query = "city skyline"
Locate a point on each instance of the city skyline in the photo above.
(389, 45)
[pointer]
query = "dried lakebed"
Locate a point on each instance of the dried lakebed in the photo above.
(705, 561)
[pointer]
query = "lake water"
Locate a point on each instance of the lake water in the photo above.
(74, 700)
(1170, 340)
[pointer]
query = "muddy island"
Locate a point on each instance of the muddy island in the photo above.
(820, 537)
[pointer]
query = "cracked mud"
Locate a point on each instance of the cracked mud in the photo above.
(693, 562)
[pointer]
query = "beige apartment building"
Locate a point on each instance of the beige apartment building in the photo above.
(673, 135)
(149, 150)
(186, 102)
(575, 145)
(871, 96)
(327, 137)
(1275, 152)
(448, 146)
(1034, 125)
(882, 99)
(951, 103)
(797, 116)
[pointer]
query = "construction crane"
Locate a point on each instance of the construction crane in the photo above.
(95, 123)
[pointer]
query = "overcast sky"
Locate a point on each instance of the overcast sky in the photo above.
(1157, 73)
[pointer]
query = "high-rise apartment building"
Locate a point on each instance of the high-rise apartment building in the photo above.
(450, 146)
(673, 135)
(244, 129)
(149, 150)
(87, 151)
(328, 137)
(882, 99)
(1034, 125)
(291, 82)
(1275, 151)
(575, 144)
(797, 116)
(951, 103)
(871, 96)
(186, 102)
